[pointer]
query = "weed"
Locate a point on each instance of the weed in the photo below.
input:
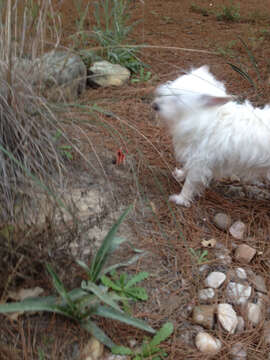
(200, 256)
(229, 12)
(82, 36)
(111, 33)
(228, 50)
(91, 299)
(150, 348)
(143, 76)
(198, 9)
(124, 286)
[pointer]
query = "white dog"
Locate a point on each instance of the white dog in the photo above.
(213, 136)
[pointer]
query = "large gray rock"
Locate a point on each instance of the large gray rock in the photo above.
(60, 75)
(103, 73)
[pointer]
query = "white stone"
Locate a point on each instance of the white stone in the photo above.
(254, 313)
(206, 343)
(227, 317)
(206, 294)
(107, 74)
(215, 279)
(238, 293)
(241, 273)
(237, 230)
(93, 350)
(240, 325)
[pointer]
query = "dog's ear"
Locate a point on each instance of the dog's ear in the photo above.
(210, 101)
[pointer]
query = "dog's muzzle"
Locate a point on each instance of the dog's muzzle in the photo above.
(155, 106)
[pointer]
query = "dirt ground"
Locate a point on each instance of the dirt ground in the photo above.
(180, 34)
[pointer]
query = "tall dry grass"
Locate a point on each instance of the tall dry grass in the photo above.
(28, 150)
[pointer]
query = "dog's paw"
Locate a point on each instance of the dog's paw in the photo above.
(179, 174)
(179, 200)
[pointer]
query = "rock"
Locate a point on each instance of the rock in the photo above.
(266, 332)
(206, 343)
(238, 351)
(244, 253)
(60, 75)
(254, 313)
(116, 357)
(204, 268)
(93, 350)
(222, 221)
(223, 257)
(204, 315)
(258, 282)
(237, 230)
(215, 279)
(240, 325)
(206, 294)
(227, 317)
(241, 273)
(106, 74)
(238, 293)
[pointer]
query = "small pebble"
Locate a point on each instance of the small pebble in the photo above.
(237, 230)
(241, 273)
(215, 279)
(206, 294)
(254, 313)
(227, 317)
(240, 325)
(238, 293)
(222, 221)
(207, 344)
(244, 253)
(204, 315)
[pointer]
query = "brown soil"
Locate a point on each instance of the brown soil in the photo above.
(180, 34)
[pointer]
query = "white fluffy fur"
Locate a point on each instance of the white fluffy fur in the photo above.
(213, 136)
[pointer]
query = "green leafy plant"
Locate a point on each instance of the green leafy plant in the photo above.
(229, 12)
(198, 9)
(124, 286)
(143, 76)
(81, 304)
(149, 348)
(111, 32)
(199, 255)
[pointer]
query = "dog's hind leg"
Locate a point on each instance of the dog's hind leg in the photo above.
(194, 184)
(186, 196)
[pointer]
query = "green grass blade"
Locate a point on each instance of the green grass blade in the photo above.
(84, 266)
(104, 297)
(109, 283)
(105, 248)
(137, 293)
(243, 74)
(137, 278)
(121, 350)
(162, 334)
(59, 286)
(123, 264)
(124, 318)
(99, 334)
(251, 57)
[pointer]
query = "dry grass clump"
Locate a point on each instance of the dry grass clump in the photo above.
(28, 127)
